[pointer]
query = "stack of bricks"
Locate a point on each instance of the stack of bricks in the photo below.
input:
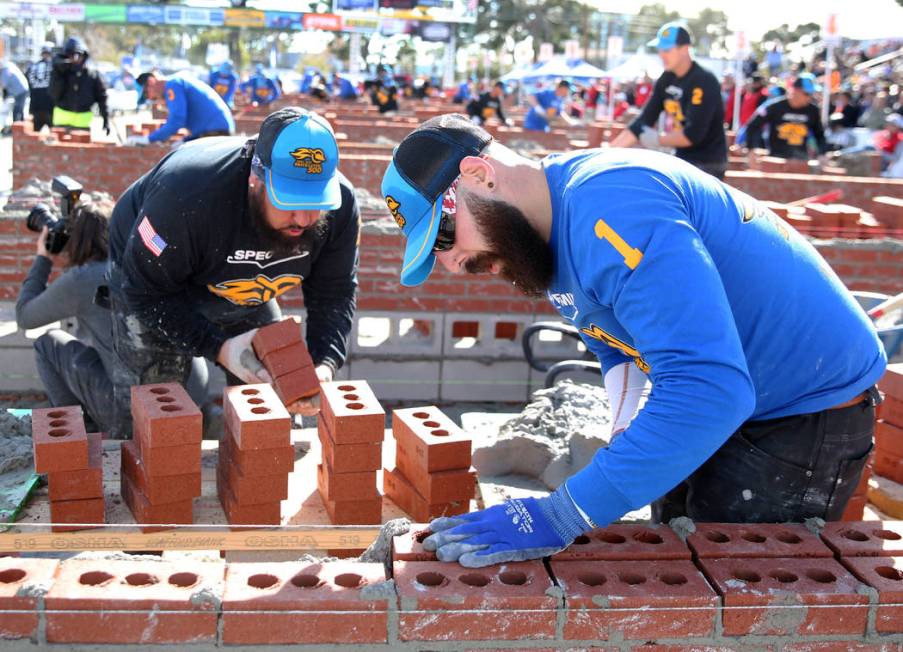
(161, 465)
(255, 455)
(888, 211)
(432, 476)
(889, 428)
(351, 428)
(284, 355)
(72, 460)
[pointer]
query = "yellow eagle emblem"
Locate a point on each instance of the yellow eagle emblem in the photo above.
(310, 158)
(598, 334)
(255, 291)
(393, 208)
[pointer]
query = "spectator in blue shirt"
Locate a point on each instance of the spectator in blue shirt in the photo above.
(546, 106)
(261, 90)
(342, 88)
(224, 80)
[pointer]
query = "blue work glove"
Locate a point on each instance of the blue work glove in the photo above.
(516, 530)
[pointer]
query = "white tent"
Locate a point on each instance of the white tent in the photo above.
(566, 69)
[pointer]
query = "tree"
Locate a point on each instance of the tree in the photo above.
(783, 33)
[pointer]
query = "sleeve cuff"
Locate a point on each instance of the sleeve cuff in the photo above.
(595, 496)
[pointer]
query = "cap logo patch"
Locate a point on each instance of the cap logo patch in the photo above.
(666, 33)
(393, 208)
(310, 158)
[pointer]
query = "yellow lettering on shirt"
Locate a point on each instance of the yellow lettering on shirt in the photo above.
(598, 334)
(632, 256)
(672, 108)
(696, 98)
(793, 133)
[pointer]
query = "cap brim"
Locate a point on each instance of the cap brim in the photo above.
(418, 252)
(288, 194)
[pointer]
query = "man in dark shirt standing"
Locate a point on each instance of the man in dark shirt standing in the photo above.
(791, 122)
(691, 96)
(201, 246)
(38, 75)
(488, 105)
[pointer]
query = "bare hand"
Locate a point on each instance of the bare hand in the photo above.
(42, 243)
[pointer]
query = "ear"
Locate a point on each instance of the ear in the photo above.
(478, 171)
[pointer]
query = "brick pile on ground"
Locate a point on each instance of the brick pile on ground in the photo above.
(433, 475)
(161, 465)
(72, 460)
(285, 356)
(255, 455)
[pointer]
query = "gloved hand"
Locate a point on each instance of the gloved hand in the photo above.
(106, 125)
(649, 138)
(137, 140)
(237, 355)
(310, 407)
(519, 529)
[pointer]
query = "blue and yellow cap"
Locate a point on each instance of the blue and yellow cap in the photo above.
(806, 83)
(424, 165)
(671, 35)
(300, 157)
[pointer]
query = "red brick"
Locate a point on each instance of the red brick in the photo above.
(145, 513)
(170, 460)
(431, 438)
(779, 585)
(60, 440)
(261, 461)
(352, 413)
(164, 415)
(409, 546)
(122, 602)
(313, 597)
(626, 542)
(348, 458)
(341, 487)
(276, 336)
(256, 417)
(297, 384)
(755, 540)
(603, 598)
(886, 465)
(891, 411)
(82, 483)
(158, 489)
(885, 574)
(16, 575)
(87, 510)
(405, 496)
(446, 602)
(252, 490)
(436, 486)
(889, 439)
(892, 381)
(366, 508)
(237, 514)
(290, 358)
(865, 538)
(841, 646)
(651, 647)
(855, 509)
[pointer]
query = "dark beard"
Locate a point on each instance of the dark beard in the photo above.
(525, 258)
(274, 239)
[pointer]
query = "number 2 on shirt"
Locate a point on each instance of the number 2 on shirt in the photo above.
(632, 256)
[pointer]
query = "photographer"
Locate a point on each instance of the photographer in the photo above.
(75, 88)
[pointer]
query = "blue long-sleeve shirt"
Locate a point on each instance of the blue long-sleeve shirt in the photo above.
(731, 313)
(261, 88)
(224, 84)
(194, 105)
(549, 106)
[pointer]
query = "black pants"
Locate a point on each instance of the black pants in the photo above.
(42, 118)
(717, 170)
(779, 470)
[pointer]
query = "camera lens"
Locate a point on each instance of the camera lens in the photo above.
(39, 217)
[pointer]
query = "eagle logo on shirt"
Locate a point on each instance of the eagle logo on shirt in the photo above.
(598, 334)
(309, 158)
(255, 291)
(393, 208)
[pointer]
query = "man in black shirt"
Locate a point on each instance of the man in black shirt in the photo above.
(38, 75)
(488, 105)
(691, 96)
(791, 121)
(201, 246)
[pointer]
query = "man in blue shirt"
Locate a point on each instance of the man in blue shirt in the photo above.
(223, 80)
(191, 104)
(547, 105)
(261, 90)
(342, 88)
(762, 364)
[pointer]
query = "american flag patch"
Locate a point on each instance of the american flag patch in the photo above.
(151, 238)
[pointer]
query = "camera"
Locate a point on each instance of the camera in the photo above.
(57, 225)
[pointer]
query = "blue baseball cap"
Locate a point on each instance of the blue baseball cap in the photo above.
(424, 165)
(671, 35)
(299, 157)
(806, 83)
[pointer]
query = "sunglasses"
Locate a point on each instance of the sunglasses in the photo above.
(445, 237)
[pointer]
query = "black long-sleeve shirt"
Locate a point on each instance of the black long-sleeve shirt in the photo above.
(788, 129)
(77, 89)
(694, 104)
(184, 240)
(486, 106)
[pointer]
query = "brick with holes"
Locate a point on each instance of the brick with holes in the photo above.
(364, 507)
(432, 440)
(170, 460)
(314, 599)
(288, 359)
(884, 574)
(158, 489)
(344, 486)
(352, 413)
(130, 602)
(787, 597)
(256, 417)
(164, 415)
(249, 489)
(17, 574)
(295, 385)
(260, 461)
(87, 510)
(269, 513)
(603, 598)
(409, 546)
(60, 440)
(349, 458)
(276, 336)
(80, 484)
(625, 542)
(147, 514)
(865, 538)
(436, 486)
(447, 602)
(402, 493)
(711, 540)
